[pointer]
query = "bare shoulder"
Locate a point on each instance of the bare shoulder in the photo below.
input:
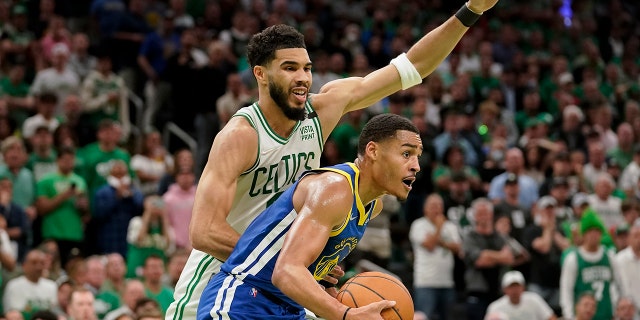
(236, 144)
(326, 190)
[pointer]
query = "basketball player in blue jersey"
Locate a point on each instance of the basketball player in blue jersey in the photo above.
(264, 148)
(274, 270)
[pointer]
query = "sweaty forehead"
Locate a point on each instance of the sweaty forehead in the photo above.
(409, 138)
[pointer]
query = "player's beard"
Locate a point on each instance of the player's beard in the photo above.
(280, 97)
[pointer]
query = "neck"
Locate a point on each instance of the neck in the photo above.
(153, 286)
(514, 300)
(591, 248)
(366, 186)
(275, 117)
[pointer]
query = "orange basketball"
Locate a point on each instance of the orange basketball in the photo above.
(367, 287)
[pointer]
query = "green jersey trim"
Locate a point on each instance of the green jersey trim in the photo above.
(316, 123)
(268, 128)
(257, 161)
(191, 287)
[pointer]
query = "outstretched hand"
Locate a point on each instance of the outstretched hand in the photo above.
(480, 6)
(371, 311)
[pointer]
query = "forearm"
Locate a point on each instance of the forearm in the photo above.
(543, 243)
(298, 284)
(218, 242)
(434, 47)
(46, 205)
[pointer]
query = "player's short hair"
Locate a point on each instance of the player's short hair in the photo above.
(262, 47)
(382, 127)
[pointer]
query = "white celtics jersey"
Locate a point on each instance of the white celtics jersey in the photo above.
(280, 163)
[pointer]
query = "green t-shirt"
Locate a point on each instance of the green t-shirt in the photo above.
(164, 297)
(97, 164)
(64, 222)
(106, 301)
(346, 138)
(621, 157)
(136, 255)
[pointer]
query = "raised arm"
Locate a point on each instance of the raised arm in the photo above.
(322, 203)
(423, 57)
(234, 151)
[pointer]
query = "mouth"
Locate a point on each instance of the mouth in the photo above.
(300, 93)
(408, 182)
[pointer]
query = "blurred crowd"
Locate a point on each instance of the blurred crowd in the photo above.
(529, 192)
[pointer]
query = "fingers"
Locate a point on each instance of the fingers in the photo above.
(337, 272)
(384, 304)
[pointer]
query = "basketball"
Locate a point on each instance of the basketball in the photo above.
(367, 287)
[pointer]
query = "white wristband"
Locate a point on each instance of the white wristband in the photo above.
(408, 73)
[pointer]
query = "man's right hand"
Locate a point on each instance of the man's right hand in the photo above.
(371, 311)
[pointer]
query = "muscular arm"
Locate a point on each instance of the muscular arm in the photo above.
(233, 152)
(322, 203)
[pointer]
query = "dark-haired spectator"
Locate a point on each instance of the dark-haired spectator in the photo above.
(114, 204)
(184, 160)
(147, 306)
(42, 159)
(14, 91)
(235, 97)
(560, 168)
(63, 204)
(151, 163)
(519, 216)
(452, 124)
(452, 163)
(149, 234)
(528, 188)
(152, 272)
(179, 204)
(44, 315)
(545, 242)
(97, 157)
(45, 116)
(104, 95)
(30, 292)
(58, 79)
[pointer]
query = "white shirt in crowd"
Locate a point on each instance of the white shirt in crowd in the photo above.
(629, 177)
(628, 266)
(531, 307)
(432, 269)
(608, 210)
(21, 294)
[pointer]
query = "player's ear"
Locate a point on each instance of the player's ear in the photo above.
(260, 73)
(372, 150)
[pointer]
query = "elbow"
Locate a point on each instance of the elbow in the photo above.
(281, 277)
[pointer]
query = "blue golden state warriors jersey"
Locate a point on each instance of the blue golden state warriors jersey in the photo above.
(255, 255)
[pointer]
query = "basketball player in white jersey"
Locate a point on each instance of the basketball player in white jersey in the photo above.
(265, 147)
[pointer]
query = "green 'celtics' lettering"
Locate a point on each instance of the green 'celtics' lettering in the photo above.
(274, 178)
